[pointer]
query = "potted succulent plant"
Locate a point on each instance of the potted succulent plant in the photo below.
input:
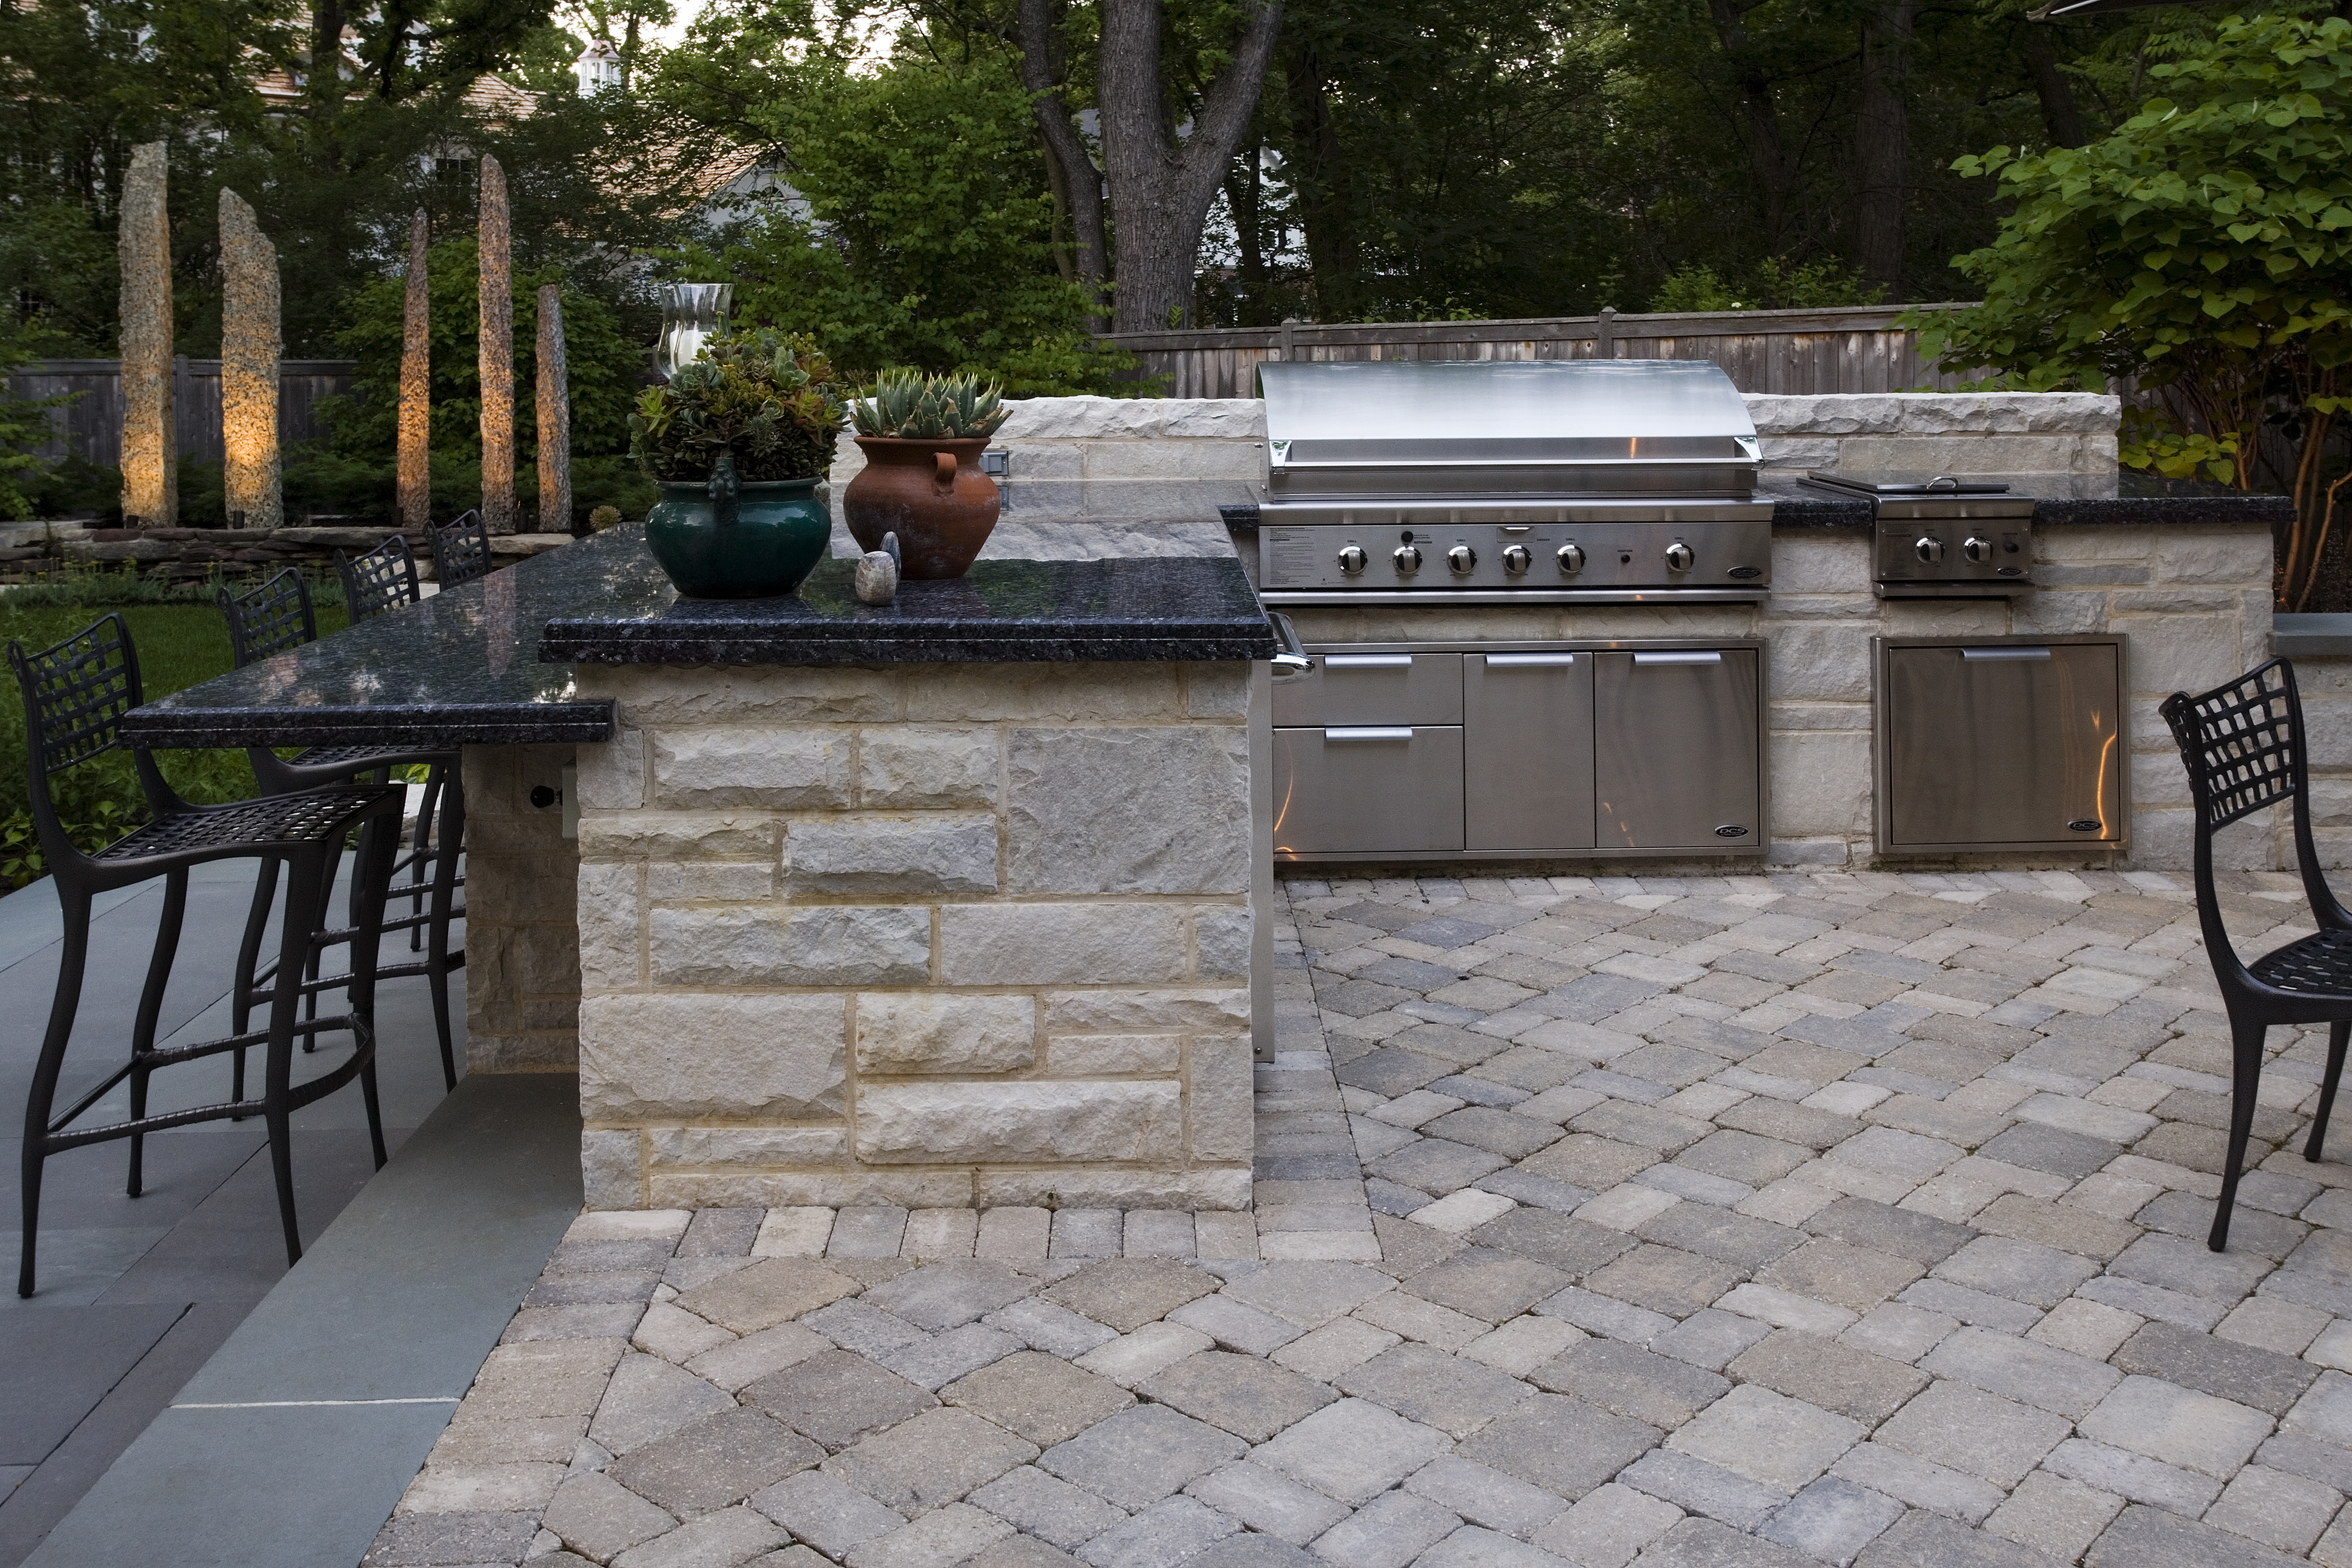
(738, 442)
(922, 437)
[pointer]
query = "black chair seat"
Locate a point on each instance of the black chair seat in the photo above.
(2320, 965)
(247, 826)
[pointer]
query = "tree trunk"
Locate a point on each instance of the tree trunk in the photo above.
(1066, 152)
(1881, 145)
(1161, 187)
(2059, 116)
(326, 83)
(1761, 119)
(1334, 256)
(1244, 187)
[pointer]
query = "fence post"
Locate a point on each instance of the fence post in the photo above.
(1287, 323)
(1604, 333)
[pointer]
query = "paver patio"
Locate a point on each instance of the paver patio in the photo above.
(1752, 1220)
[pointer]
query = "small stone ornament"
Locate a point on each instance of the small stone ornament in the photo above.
(877, 573)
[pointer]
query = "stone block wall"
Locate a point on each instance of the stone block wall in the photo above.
(933, 935)
(522, 959)
(2326, 686)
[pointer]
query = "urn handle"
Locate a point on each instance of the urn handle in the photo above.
(725, 489)
(944, 471)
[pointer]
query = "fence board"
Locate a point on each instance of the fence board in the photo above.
(91, 425)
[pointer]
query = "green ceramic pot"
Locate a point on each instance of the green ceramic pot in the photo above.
(725, 540)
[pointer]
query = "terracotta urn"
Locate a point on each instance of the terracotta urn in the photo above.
(931, 494)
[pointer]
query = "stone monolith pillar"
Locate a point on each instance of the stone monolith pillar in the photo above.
(151, 447)
(498, 353)
(415, 414)
(554, 412)
(249, 353)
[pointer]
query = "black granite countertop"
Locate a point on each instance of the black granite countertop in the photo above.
(461, 667)
(1131, 608)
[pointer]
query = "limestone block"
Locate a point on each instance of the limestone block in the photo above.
(1820, 561)
(612, 774)
(748, 1145)
(2025, 455)
(2233, 555)
(2157, 778)
(1170, 459)
(1943, 617)
(1051, 945)
(1799, 453)
(1061, 1120)
(656, 696)
(912, 766)
(1222, 940)
(1201, 1187)
(846, 946)
(2331, 802)
(903, 1187)
(651, 836)
(607, 915)
(2326, 721)
(667, 1057)
(891, 855)
(752, 766)
(2175, 599)
(1162, 809)
(1089, 693)
(2096, 453)
(2076, 546)
(1232, 419)
(1819, 716)
(608, 1170)
(1222, 1119)
(930, 1032)
(734, 880)
(1820, 786)
(1814, 852)
(2179, 653)
(1045, 459)
(1099, 1055)
(1792, 607)
(1933, 413)
(1219, 690)
(1820, 659)
(2164, 839)
(2049, 613)
(1088, 1011)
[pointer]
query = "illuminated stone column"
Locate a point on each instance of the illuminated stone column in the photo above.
(416, 410)
(150, 448)
(498, 353)
(249, 353)
(554, 414)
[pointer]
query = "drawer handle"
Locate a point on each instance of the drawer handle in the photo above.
(1678, 659)
(1975, 654)
(1370, 733)
(1368, 661)
(1521, 660)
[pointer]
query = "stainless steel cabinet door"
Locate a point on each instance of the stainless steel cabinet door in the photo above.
(2003, 745)
(1675, 760)
(1527, 751)
(1350, 685)
(1364, 788)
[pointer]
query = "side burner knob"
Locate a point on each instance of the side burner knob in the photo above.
(1977, 549)
(1679, 557)
(1928, 548)
(1571, 558)
(1460, 560)
(1351, 559)
(1516, 559)
(1407, 559)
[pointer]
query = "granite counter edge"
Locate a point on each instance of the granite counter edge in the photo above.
(572, 643)
(589, 718)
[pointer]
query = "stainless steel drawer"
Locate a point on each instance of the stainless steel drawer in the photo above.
(1355, 686)
(1676, 759)
(1527, 760)
(1367, 788)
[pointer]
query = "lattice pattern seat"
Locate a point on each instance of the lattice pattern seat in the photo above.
(249, 824)
(2320, 965)
(382, 579)
(461, 551)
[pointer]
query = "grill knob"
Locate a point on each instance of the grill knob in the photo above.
(1407, 559)
(1930, 549)
(1977, 549)
(1516, 559)
(1351, 559)
(1460, 560)
(1571, 558)
(1679, 557)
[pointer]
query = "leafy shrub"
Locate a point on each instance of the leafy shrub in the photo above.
(767, 398)
(1775, 285)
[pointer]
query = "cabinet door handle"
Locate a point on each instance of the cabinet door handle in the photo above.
(1678, 659)
(1370, 733)
(1521, 660)
(1976, 655)
(1368, 661)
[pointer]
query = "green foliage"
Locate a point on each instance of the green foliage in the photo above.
(2204, 249)
(908, 404)
(765, 396)
(1773, 285)
(23, 425)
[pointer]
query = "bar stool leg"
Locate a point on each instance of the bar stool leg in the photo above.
(248, 958)
(2245, 1078)
(41, 1095)
(451, 828)
(2338, 1033)
(294, 945)
(371, 880)
(427, 810)
(151, 1009)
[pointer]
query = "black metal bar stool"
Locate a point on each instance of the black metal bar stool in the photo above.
(269, 621)
(382, 579)
(75, 696)
(461, 551)
(2243, 746)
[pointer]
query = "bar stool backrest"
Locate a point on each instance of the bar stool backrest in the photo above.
(461, 551)
(271, 619)
(76, 694)
(383, 579)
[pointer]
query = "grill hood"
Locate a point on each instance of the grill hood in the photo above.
(1434, 432)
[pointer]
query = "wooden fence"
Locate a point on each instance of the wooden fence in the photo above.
(90, 425)
(1853, 350)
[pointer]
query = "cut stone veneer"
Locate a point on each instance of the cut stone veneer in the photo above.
(522, 947)
(2325, 684)
(933, 935)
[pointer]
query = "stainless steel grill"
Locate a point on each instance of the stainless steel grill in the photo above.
(1943, 536)
(1509, 481)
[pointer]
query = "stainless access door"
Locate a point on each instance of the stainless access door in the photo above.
(2000, 744)
(1677, 761)
(1527, 749)
(1367, 788)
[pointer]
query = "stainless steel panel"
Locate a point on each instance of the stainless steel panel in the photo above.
(1613, 553)
(2000, 744)
(1386, 789)
(2008, 554)
(1677, 757)
(1367, 686)
(1527, 751)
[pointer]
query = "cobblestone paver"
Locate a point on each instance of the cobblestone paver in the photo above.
(1738, 1222)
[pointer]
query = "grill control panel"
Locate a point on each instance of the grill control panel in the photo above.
(1668, 557)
